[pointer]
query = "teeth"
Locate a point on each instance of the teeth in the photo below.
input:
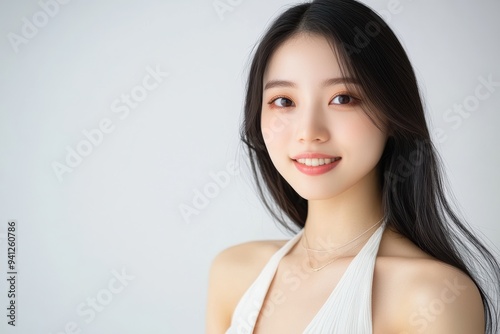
(315, 162)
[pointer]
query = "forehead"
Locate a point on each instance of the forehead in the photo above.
(303, 57)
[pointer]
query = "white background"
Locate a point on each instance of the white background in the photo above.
(120, 208)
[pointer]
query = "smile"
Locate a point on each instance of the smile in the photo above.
(316, 166)
(314, 162)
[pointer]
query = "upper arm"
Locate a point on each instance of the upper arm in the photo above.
(443, 300)
(218, 316)
(233, 270)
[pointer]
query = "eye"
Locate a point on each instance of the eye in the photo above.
(281, 102)
(344, 99)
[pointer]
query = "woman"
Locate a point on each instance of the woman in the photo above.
(340, 149)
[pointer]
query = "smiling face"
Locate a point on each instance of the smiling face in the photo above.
(315, 130)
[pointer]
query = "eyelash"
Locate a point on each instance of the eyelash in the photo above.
(354, 100)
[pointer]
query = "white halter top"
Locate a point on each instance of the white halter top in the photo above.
(346, 311)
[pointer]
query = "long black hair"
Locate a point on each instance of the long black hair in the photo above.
(409, 170)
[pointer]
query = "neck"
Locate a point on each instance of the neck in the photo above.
(336, 221)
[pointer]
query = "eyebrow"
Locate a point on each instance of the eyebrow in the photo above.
(326, 83)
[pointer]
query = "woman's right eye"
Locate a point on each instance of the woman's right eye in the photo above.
(281, 102)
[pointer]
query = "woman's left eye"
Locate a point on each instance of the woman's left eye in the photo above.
(343, 99)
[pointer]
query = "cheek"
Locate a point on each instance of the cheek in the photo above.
(275, 131)
(274, 128)
(362, 138)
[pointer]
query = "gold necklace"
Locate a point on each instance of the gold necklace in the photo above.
(308, 249)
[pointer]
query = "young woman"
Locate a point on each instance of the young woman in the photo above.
(340, 150)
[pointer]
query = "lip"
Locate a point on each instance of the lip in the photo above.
(313, 155)
(315, 170)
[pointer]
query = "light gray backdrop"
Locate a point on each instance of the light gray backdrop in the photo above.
(120, 154)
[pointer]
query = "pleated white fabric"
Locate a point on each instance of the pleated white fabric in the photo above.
(346, 311)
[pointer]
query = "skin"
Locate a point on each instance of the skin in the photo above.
(412, 292)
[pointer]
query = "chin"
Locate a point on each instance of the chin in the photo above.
(314, 192)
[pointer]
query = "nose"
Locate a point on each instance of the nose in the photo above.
(312, 126)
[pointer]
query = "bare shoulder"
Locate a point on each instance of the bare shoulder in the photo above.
(232, 272)
(248, 254)
(241, 264)
(440, 299)
(428, 295)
